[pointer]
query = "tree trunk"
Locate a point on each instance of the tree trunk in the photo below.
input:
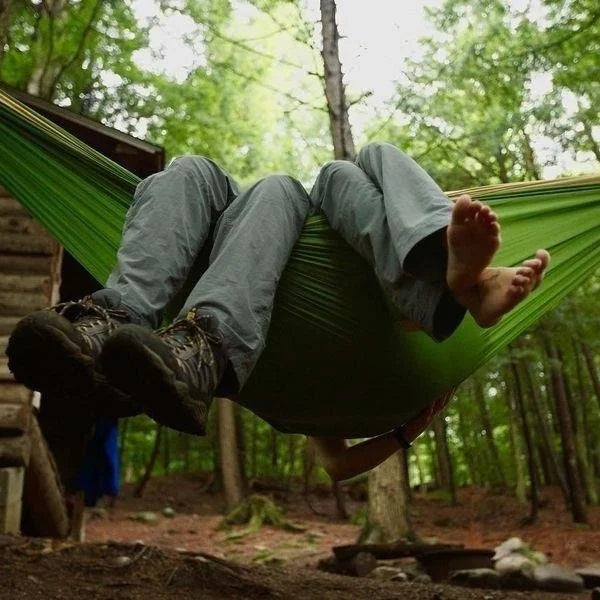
(231, 474)
(593, 371)
(520, 401)
(420, 470)
(388, 518)
(291, 460)
(435, 472)
(576, 496)
(443, 456)
(241, 445)
(340, 501)
(498, 474)
(468, 455)
(339, 123)
(544, 432)
(274, 452)
(515, 442)
(166, 451)
(254, 451)
(582, 433)
(5, 9)
(141, 486)
(405, 474)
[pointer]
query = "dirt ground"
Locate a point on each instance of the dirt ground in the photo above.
(127, 560)
(481, 519)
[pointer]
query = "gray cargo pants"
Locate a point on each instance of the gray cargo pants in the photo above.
(385, 206)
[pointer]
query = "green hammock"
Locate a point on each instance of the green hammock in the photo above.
(339, 360)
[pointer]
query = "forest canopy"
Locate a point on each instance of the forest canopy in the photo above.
(493, 92)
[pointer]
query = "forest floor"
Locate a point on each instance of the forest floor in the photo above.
(270, 563)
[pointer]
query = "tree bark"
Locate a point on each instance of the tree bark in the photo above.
(388, 518)
(515, 442)
(565, 425)
(499, 478)
(166, 444)
(141, 486)
(443, 456)
(544, 432)
(468, 455)
(231, 473)
(341, 134)
(592, 369)
(520, 401)
(582, 433)
(340, 501)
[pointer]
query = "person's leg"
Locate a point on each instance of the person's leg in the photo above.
(165, 230)
(253, 240)
(54, 350)
(226, 316)
(376, 226)
(448, 246)
(417, 209)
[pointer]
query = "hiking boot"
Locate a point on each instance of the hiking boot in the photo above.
(172, 372)
(53, 351)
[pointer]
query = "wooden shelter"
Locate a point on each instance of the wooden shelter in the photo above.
(35, 272)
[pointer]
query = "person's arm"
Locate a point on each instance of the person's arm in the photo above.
(343, 462)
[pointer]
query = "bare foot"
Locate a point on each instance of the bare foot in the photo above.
(499, 289)
(473, 238)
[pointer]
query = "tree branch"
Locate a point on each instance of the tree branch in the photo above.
(79, 48)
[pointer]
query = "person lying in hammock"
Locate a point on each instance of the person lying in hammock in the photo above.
(431, 257)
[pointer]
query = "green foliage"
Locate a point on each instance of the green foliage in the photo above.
(471, 111)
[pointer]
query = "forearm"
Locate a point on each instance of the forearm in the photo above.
(343, 462)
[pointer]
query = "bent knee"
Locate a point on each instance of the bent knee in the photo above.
(376, 147)
(337, 168)
(192, 161)
(281, 181)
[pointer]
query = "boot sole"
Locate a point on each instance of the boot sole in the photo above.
(131, 360)
(45, 354)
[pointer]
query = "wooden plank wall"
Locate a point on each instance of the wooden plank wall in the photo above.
(30, 263)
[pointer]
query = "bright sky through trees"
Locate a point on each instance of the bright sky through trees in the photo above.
(377, 39)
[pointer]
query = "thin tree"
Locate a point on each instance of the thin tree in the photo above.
(565, 425)
(335, 93)
(444, 460)
(141, 486)
(533, 479)
(231, 473)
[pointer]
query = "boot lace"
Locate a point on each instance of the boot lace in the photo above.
(185, 334)
(90, 314)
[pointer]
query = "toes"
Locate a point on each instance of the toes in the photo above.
(475, 209)
(516, 290)
(544, 257)
(534, 263)
(520, 280)
(486, 215)
(526, 272)
(462, 209)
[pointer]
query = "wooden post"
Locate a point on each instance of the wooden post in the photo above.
(11, 491)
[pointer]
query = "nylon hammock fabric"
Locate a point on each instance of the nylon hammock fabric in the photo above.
(339, 359)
